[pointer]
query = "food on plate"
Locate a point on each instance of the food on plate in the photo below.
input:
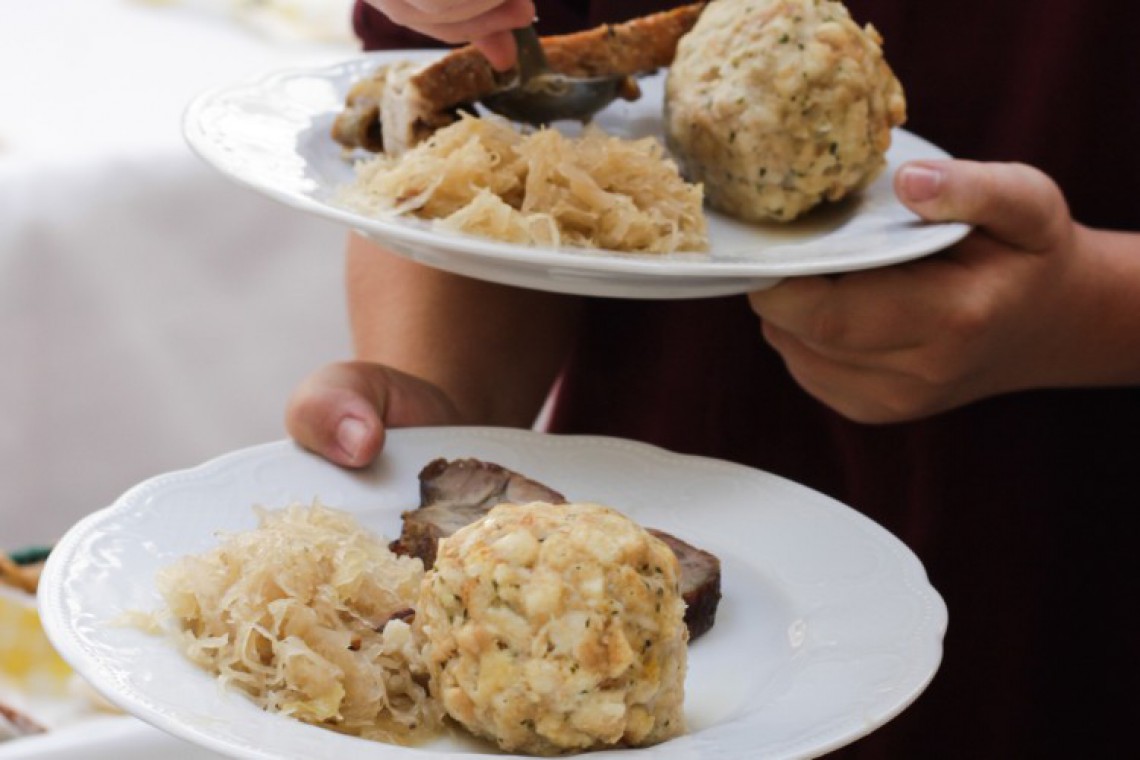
(771, 108)
(482, 176)
(402, 104)
(387, 111)
(556, 627)
(541, 625)
(455, 493)
(307, 614)
(778, 105)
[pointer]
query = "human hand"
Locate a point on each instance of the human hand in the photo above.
(999, 312)
(342, 411)
(485, 23)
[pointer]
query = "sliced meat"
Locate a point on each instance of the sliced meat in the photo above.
(700, 583)
(471, 481)
(393, 110)
(458, 492)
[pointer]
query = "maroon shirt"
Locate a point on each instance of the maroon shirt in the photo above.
(1016, 504)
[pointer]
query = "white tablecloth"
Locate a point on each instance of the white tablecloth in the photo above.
(152, 314)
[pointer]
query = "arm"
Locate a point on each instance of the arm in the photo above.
(431, 348)
(1029, 300)
(493, 349)
(434, 348)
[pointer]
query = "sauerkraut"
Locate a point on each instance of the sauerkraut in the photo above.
(306, 614)
(481, 176)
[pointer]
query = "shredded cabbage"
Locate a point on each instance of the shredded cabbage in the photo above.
(481, 176)
(298, 614)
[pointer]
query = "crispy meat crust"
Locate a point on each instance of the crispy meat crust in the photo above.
(464, 76)
(637, 46)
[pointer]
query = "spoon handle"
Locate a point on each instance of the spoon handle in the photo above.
(532, 60)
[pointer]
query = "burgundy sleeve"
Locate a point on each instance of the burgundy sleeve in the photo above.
(377, 32)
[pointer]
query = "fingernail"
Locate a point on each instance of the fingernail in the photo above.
(351, 435)
(921, 183)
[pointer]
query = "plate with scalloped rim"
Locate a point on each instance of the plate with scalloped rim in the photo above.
(828, 626)
(272, 133)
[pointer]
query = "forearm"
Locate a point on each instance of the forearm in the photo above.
(495, 350)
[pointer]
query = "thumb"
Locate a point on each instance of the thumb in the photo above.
(499, 50)
(342, 411)
(1013, 203)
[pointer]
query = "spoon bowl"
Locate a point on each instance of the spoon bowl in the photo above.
(540, 95)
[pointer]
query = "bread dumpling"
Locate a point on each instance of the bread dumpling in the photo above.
(778, 105)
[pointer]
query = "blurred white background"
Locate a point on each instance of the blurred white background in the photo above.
(152, 314)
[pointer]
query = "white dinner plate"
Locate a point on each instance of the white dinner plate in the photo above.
(273, 134)
(827, 628)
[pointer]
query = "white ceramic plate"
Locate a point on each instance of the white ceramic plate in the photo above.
(272, 134)
(828, 626)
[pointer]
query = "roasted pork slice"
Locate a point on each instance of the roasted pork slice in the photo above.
(455, 493)
(401, 104)
(700, 582)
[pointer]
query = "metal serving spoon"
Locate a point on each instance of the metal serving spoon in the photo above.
(540, 95)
